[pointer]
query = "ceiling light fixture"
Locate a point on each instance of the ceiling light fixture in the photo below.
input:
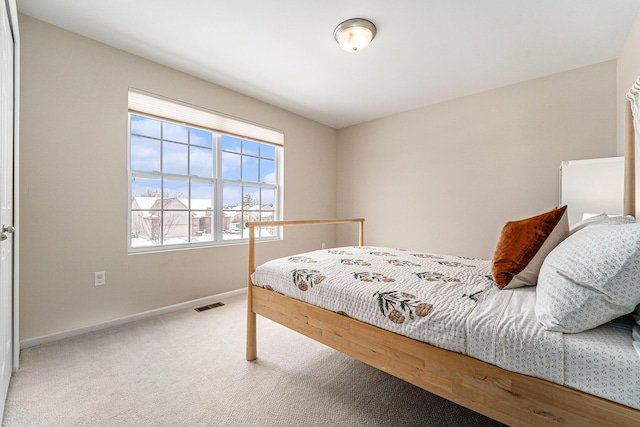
(355, 34)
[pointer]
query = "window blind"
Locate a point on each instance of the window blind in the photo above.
(156, 106)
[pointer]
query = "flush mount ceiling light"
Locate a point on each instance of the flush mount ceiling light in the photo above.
(353, 35)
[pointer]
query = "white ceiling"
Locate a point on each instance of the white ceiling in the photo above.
(283, 52)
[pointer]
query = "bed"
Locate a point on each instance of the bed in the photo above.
(507, 396)
(489, 353)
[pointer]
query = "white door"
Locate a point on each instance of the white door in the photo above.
(6, 203)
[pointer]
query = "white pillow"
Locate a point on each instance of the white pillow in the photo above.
(585, 222)
(590, 278)
(602, 219)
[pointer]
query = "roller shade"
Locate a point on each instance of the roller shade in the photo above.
(156, 106)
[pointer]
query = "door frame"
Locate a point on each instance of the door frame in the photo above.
(12, 10)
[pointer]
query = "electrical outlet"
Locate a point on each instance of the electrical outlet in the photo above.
(324, 246)
(100, 278)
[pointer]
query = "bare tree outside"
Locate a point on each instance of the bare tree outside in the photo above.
(147, 226)
(248, 200)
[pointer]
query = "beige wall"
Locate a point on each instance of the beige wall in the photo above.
(73, 183)
(446, 178)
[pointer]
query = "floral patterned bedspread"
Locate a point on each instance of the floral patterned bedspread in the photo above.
(423, 296)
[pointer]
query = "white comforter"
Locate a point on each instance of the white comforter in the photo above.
(450, 302)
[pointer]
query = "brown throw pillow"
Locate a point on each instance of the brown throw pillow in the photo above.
(523, 245)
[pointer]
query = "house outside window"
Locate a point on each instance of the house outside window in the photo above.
(192, 185)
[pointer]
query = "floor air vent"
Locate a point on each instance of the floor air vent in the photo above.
(208, 307)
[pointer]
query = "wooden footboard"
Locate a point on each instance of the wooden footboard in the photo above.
(508, 397)
(251, 315)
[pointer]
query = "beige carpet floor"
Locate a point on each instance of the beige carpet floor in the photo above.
(188, 369)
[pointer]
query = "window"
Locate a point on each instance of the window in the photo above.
(191, 185)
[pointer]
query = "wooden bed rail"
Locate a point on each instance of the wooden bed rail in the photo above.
(252, 350)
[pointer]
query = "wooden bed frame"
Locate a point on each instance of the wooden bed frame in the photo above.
(505, 396)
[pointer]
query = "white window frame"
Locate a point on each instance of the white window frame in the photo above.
(163, 109)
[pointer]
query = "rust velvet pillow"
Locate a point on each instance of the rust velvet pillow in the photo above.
(523, 245)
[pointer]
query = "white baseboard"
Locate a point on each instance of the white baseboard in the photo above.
(32, 342)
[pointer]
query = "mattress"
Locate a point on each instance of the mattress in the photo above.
(603, 362)
(452, 303)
